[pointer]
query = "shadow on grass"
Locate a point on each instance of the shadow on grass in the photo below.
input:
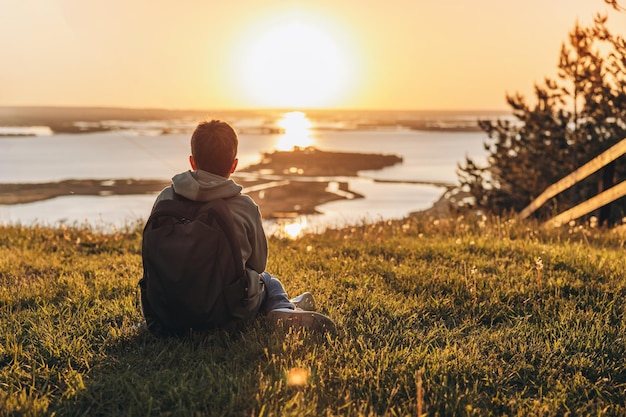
(208, 373)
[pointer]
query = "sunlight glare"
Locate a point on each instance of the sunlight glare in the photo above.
(294, 63)
(297, 377)
(295, 228)
(297, 129)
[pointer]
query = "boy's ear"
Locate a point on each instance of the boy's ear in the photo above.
(234, 166)
(192, 162)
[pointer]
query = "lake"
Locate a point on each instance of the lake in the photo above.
(143, 152)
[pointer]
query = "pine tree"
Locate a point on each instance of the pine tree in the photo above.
(576, 116)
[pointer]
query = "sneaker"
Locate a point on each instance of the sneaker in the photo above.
(301, 319)
(304, 301)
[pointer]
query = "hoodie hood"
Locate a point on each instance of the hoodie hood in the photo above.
(204, 186)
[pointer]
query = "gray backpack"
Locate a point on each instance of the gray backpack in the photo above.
(193, 270)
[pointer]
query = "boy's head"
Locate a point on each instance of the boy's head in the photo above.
(214, 148)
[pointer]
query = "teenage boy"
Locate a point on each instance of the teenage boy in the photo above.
(213, 159)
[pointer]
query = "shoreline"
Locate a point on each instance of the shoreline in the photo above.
(284, 184)
(277, 199)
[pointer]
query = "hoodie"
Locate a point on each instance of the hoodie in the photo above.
(204, 186)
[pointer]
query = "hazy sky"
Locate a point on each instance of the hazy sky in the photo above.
(214, 54)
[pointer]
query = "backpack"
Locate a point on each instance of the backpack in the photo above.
(193, 268)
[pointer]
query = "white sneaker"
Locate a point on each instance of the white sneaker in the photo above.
(304, 301)
(301, 319)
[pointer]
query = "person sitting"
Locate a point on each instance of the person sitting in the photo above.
(213, 159)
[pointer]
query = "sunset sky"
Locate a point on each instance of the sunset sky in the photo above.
(352, 54)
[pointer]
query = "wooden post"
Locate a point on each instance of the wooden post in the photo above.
(588, 206)
(581, 173)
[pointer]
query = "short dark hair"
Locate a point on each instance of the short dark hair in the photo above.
(214, 147)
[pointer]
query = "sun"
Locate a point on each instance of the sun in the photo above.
(294, 63)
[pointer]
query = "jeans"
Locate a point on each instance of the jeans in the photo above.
(274, 295)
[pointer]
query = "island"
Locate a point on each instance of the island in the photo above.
(284, 183)
(311, 161)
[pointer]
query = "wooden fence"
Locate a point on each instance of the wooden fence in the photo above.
(581, 173)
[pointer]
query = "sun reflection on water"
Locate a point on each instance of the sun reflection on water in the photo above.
(295, 228)
(297, 129)
(292, 228)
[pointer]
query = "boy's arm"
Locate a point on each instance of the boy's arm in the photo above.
(258, 243)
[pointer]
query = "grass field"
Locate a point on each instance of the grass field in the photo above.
(440, 317)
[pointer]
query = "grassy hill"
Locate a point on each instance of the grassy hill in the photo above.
(443, 317)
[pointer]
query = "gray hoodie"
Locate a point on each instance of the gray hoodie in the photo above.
(204, 186)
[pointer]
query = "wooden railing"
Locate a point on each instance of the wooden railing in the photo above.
(581, 173)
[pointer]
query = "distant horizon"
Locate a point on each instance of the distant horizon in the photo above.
(83, 119)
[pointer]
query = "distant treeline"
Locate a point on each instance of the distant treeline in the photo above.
(63, 119)
(87, 119)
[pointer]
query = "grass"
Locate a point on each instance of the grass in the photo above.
(443, 317)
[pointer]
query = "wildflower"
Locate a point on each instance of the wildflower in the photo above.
(474, 289)
(538, 268)
(482, 223)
